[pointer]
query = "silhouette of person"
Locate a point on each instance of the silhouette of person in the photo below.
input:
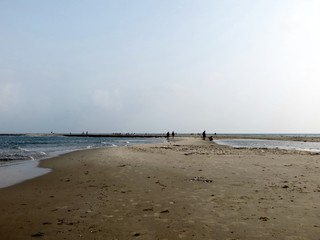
(172, 134)
(204, 135)
(168, 135)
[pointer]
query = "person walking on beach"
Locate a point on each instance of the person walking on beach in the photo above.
(168, 135)
(204, 135)
(173, 134)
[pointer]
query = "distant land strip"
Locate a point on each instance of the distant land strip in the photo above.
(120, 135)
(287, 137)
(106, 135)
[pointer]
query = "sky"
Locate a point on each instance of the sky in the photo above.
(103, 66)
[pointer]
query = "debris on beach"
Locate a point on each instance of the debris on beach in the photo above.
(38, 234)
(46, 223)
(148, 209)
(201, 179)
(161, 184)
(165, 211)
(264, 219)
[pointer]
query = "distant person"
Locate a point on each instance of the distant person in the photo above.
(173, 135)
(204, 135)
(168, 135)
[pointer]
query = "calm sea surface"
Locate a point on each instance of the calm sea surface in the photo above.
(19, 155)
(276, 144)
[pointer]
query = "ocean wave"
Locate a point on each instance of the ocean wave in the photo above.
(23, 149)
(14, 157)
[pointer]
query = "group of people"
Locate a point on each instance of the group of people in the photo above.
(204, 135)
(172, 134)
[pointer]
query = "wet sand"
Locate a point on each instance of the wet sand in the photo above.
(184, 189)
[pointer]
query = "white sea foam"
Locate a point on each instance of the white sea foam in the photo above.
(23, 149)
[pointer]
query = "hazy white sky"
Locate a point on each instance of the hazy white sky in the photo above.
(233, 66)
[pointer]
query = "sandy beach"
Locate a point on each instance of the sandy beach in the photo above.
(184, 189)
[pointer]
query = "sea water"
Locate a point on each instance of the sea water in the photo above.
(273, 144)
(20, 155)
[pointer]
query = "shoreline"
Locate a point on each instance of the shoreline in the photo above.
(267, 136)
(15, 172)
(280, 137)
(182, 189)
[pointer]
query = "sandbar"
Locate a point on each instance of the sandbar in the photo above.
(183, 189)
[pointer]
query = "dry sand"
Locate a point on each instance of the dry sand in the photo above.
(185, 189)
